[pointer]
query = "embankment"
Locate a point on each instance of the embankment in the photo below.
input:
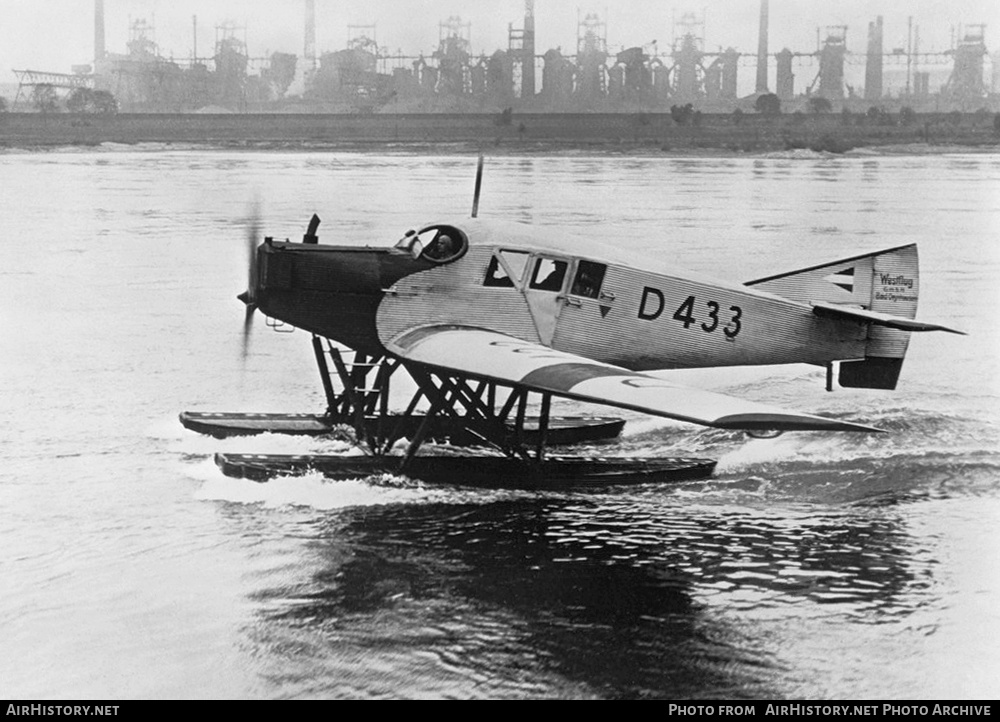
(527, 132)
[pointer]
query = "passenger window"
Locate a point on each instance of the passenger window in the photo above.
(516, 262)
(496, 275)
(548, 275)
(589, 277)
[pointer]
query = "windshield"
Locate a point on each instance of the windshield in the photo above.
(410, 242)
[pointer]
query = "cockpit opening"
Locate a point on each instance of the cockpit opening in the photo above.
(437, 244)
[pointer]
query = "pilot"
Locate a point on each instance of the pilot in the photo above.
(443, 247)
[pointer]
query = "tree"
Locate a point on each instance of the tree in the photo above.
(768, 104)
(81, 100)
(85, 100)
(819, 104)
(878, 116)
(105, 103)
(681, 114)
(44, 98)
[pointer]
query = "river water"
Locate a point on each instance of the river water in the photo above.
(812, 566)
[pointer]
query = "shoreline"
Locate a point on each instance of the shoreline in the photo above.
(525, 134)
(526, 149)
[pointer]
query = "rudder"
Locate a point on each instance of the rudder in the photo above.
(885, 282)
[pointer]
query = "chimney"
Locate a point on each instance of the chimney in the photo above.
(310, 49)
(528, 66)
(873, 63)
(99, 50)
(762, 49)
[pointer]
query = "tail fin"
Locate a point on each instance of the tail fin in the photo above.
(886, 282)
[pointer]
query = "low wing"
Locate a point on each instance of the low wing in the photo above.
(489, 355)
(833, 310)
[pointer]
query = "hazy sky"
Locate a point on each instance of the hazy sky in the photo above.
(55, 34)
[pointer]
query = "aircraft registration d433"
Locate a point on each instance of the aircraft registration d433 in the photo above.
(472, 306)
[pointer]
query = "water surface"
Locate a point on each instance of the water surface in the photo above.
(815, 565)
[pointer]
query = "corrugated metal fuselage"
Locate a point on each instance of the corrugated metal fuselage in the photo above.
(640, 320)
(365, 297)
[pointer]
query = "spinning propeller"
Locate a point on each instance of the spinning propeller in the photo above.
(253, 239)
(249, 296)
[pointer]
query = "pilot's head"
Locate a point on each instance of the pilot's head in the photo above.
(445, 246)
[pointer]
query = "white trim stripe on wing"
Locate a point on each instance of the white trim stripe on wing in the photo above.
(486, 354)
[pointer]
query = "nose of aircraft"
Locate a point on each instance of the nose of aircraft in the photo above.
(331, 291)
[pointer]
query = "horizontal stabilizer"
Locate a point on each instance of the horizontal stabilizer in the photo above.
(833, 310)
(479, 353)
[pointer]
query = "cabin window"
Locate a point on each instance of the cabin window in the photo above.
(549, 275)
(505, 269)
(497, 276)
(516, 262)
(588, 280)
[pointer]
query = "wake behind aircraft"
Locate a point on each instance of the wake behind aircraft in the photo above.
(483, 313)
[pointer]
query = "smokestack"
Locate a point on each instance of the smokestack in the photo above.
(528, 66)
(99, 50)
(762, 49)
(310, 49)
(873, 63)
(784, 80)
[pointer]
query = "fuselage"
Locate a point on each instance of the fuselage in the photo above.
(546, 287)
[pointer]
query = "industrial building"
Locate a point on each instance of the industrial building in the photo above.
(364, 77)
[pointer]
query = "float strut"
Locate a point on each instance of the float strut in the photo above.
(439, 402)
(324, 374)
(522, 401)
(543, 427)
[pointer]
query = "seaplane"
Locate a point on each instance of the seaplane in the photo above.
(488, 318)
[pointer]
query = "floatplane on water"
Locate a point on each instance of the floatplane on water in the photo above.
(483, 315)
